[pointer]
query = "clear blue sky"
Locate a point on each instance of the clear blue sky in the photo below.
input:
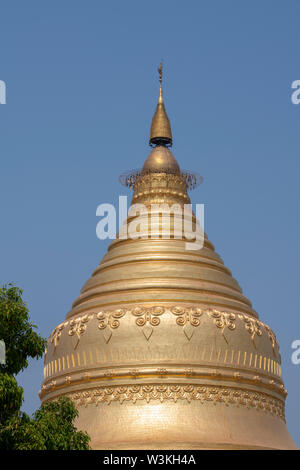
(81, 90)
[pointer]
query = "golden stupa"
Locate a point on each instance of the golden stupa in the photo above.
(161, 350)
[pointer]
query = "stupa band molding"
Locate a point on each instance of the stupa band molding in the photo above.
(222, 319)
(227, 396)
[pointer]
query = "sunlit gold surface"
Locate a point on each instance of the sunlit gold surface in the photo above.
(162, 350)
(161, 160)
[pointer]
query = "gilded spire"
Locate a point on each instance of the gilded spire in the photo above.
(160, 133)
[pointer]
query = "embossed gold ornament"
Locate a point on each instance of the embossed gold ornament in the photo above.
(188, 318)
(223, 320)
(56, 334)
(253, 327)
(109, 321)
(162, 371)
(147, 318)
(78, 327)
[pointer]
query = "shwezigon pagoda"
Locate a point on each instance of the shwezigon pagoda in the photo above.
(161, 350)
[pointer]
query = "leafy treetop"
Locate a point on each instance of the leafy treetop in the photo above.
(51, 427)
(21, 341)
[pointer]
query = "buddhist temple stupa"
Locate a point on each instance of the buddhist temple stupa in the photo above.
(162, 350)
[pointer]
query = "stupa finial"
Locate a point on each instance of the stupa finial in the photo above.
(160, 133)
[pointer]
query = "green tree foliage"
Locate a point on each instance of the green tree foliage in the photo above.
(21, 341)
(51, 427)
(11, 397)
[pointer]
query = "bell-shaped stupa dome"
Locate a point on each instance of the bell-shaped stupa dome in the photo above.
(162, 350)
